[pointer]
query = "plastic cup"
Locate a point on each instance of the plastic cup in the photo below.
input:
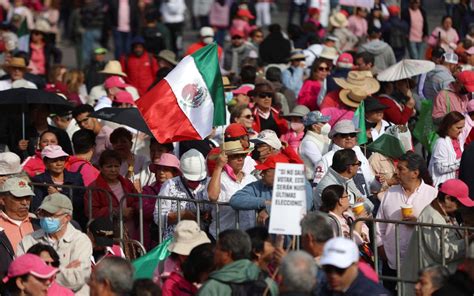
(358, 208)
(407, 210)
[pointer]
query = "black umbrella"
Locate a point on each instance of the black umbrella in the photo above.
(127, 116)
(26, 96)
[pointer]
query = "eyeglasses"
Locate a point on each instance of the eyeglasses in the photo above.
(323, 69)
(250, 116)
(345, 136)
(263, 95)
(333, 269)
(356, 163)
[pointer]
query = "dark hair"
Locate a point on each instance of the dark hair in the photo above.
(237, 112)
(199, 261)
(273, 74)
(316, 65)
(119, 133)
(445, 17)
(145, 287)
(50, 132)
(274, 28)
(255, 31)
(248, 74)
(416, 162)
(11, 286)
(330, 197)
(342, 158)
(108, 155)
(83, 141)
(258, 235)
(85, 108)
(449, 120)
(236, 242)
(39, 248)
(168, 146)
(442, 197)
(367, 57)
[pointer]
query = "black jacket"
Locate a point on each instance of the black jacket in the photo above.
(134, 15)
(406, 18)
(275, 49)
(466, 173)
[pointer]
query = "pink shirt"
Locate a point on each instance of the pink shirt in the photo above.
(447, 98)
(86, 169)
(457, 148)
(390, 209)
(123, 16)
(38, 60)
(416, 28)
(293, 139)
(34, 165)
(358, 25)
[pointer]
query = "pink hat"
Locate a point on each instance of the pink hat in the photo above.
(29, 264)
(124, 97)
(470, 51)
(53, 151)
(237, 32)
(168, 160)
(345, 60)
(243, 90)
(115, 81)
(470, 106)
(458, 189)
(245, 13)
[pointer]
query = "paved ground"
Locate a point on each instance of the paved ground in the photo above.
(434, 9)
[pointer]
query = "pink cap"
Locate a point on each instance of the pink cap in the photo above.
(458, 189)
(237, 32)
(345, 60)
(470, 51)
(168, 160)
(53, 151)
(243, 90)
(124, 97)
(29, 264)
(245, 13)
(115, 81)
(470, 106)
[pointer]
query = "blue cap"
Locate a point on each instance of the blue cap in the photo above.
(138, 40)
(315, 117)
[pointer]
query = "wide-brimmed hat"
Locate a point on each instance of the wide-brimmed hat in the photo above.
(167, 160)
(29, 264)
(168, 56)
(297, 54)
(329, 53)
(372, 104)
(338, 20)
(352, 97)
(227, 85)
(235, 147)
(344, 126)
(298, 111)
(193, 165)
(42, 26)
(457, 189)
(358, 79)
(113, 67)
(16, 63)
(187, 236)
(10, 163)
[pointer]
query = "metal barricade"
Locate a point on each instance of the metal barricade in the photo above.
(417, 225)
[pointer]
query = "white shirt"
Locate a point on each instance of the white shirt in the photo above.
(443, 163)
(390, 209)
(312, 148)
(376, 134)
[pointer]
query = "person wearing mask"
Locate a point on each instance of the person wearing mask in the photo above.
(265, 116)
(415, 16)
(206, 36)
(296, 133)
(34, 165)
(73, 246)
(83, 142)
(414, 189)
(383, 52)
(315, 142)
(453, 194)
(447, 150)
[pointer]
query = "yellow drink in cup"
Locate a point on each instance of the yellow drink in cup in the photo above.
(407, 210)
(358, 208)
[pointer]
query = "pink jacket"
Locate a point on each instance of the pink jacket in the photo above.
(34, 165)
(241, 25)
(293, 139)
(447, 101)
(308, 95)
(85, 168)
(219, 15)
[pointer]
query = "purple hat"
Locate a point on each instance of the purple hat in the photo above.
(53, 151)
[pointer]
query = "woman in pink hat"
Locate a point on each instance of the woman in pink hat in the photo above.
(34, 165)
(165, 168)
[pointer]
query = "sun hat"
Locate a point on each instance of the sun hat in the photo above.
(187, 236)
(315, 117)
(42, 26)
(235, 147)
(166, 159)
(193, 165)
(372, 104)
(243, 90)
(10, 163)
(125, 97)
(113, 67)
(53, 151)
(268, 137)
(16, 63)
(358, 79)
(226, 83)
(451, 58)
(343, 127)
(115, 81)
(271, 161)
(458, 189)
(235, 130)
(345, 60)
(298, 111)
(17, 187)
(168, 56)
(29, 264)
(245, 13)
(340, 252)
(206, 32)
(56, 202)
(338, 20)
(352, 97)
(103, 231)
(329, 53)
(297, 54)
(467, 79)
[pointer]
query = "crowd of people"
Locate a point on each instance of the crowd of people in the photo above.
(376, 105)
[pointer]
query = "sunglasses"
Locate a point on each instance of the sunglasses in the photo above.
(265, 95)
(236, 37)
(250, 116)
(346, 136)
(333, 269)
(323, 69)
(52, 263)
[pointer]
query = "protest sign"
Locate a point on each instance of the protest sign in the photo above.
(369, 4)
(288, 199)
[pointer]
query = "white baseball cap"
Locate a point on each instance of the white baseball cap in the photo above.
(17, 187)
(268, 137)
(340, 252)
(206, 32)
(193, 165)
(451, 58)
(9, 163)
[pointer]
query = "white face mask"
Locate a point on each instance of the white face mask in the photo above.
(325, 129)
(207, 40)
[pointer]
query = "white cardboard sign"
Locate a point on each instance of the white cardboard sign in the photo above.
(288, 199)
(369, 4)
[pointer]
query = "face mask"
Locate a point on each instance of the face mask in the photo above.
(207, 40)
(50, 225)
(297, 126)
(325, 129)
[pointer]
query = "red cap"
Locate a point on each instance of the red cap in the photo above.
(394, 10)
(345, 59)
(312, 11)
(235, 130)
(345, 12)
(271, 161)
(124, 97)
(29, 264)
(115, 81)
(458, 189)
(245, 13)
(236, 32)
(467, 79)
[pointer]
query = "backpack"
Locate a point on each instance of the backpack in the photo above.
(255, 287)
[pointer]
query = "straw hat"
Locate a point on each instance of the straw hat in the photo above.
(113, 67)
(235, 147)
(168, 56)
(352, 97)
(329, 53)
(227, 85)
(42, 26)
(16, 63)
(357, 79)
(338, 20)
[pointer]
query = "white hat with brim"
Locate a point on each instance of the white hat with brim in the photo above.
(352, 97)
(329, 53)
(193, 165)
(359, 79)
(268, 137)
(17, 187)
(113, 68)
(343, 127)
(186, 237)
(10, 163)
(340, 252)
(338, 20)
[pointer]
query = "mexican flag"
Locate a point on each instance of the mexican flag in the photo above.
(189, 101)
(359, 123)
(23, 36)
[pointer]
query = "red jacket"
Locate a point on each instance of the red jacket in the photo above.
(141, 71)
(281, 123)
(100, 200)
(177, 285)
(198, 45)
(393, 113)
